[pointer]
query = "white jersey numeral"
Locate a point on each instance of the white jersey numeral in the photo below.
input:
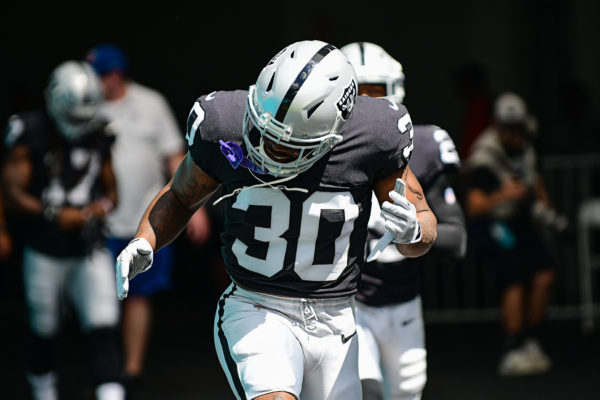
(313, 208)
(280, 219)
(311, 215)
(405, 125)
(195, 118)
(448, 153)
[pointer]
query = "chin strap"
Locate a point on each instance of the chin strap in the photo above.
(263, 183)
(235, 155)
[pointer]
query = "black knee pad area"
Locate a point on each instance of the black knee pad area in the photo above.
(105, 355)
(371, 389)
(41, 354)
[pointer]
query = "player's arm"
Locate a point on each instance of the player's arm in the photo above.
(486, 192)
(404, 219)
(171, 209)
(164, 219)
(451, 240)
(16, 178)
(100, 208)
(5, 239)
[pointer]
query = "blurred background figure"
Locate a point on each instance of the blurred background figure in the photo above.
(392, 354)
(148, 149)
(508, 208)
(58, 178)
(6, 242)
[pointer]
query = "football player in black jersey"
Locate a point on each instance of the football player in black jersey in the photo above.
(58, 177)
(392, 355)
(298, 156)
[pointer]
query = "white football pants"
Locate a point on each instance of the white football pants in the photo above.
(392, 348)
(306, 347)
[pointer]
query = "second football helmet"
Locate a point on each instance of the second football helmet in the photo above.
(375, 66)
(73, 97)
(300, 101)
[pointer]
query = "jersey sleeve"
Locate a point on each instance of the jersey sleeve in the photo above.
(14, 132)
(200, 150)
(451, 238)
(395, 133)
(434, 154)
(212, 118)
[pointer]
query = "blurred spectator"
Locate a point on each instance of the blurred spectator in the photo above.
(507, 205)
(148, 149)
(473, 88)
(58, 177)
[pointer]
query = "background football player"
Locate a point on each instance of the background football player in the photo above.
(298, 156)
(392, 355)
(58, 176)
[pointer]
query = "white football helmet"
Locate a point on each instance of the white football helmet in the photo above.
(73, 97)
(374, 65)
(300, 101)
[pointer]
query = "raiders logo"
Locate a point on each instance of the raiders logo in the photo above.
(346, 102)
(276, 56)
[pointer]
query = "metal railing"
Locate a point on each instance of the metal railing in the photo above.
(468, 292)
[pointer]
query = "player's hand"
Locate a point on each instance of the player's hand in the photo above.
(401, 219)
(70, 218)
(135, 258)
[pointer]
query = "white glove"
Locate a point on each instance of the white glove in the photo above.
(134, 259)
(401, 219)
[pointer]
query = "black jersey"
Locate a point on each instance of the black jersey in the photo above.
(64, 174)
(305, 238)
(389, 282)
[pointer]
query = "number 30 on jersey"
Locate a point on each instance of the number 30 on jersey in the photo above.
(313, 208)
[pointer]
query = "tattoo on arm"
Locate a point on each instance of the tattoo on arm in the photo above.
(166, 223)
(415, 192)
(190, 189)
(194, 191)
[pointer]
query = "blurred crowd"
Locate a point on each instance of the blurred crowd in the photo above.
(78, 173)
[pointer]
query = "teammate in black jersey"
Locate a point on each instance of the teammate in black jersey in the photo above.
(58, 177)
(392, 355)
(298, 156)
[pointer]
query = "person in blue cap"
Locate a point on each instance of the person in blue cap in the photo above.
(149, 146)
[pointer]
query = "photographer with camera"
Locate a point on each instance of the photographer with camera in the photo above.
(507, 205)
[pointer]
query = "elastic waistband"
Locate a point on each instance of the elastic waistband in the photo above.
(256, 295)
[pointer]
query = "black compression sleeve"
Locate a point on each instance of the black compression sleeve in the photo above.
(451, 232)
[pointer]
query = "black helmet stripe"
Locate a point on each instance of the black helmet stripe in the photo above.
(361, 46)
(299, 81)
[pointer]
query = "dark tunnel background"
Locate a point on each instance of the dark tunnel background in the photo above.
(546, 51)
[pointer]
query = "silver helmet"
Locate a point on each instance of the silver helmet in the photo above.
(73, 97)
(300, 101)
(374, 65)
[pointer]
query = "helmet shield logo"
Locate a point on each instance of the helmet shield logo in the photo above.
(276, 56)
(346, 102)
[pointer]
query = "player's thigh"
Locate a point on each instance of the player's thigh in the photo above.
(368, 350)
(336, 376)
(93, 290)
(43, 279)
(403, 353)
(256, 348)
(331, 345)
